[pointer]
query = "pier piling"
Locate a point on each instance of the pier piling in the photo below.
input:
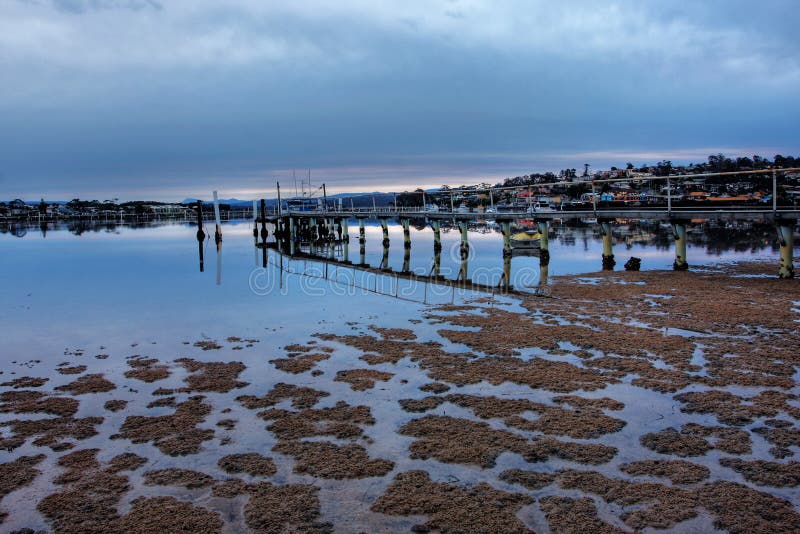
(544, 242)
(437, 235)
(681, 263)
(506, 227)
(464, 251)
(264, 232)
(786, 236)
(406, 232)
(362, 243)
(291, 236)
(608, 246)
(385, 229)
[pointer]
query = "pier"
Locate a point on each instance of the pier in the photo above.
(323, 221)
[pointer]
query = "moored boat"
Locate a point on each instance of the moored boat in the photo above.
(526, 239)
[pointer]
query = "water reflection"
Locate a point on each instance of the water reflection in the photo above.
(471, 253)
(475, 253)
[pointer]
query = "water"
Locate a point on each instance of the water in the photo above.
(124, 291)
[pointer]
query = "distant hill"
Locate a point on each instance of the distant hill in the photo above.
(229, 201)
(359, 200)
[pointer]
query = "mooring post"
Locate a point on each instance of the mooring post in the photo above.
(264, 232)
(278, 184)
(201, 236)
(218, 228)
(786, 236)
(608, 245)
(544, 242)
(255, 220)
(681, 263)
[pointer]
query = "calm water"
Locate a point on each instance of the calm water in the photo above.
(124, 291)
(75, 285)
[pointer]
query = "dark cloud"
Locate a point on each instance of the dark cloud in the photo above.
(200, 94)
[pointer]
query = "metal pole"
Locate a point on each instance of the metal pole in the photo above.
(374, 209)
(669, 196)
(594, 199)
(774, 192)
(325, 198)
(279, 199)
(452, 207)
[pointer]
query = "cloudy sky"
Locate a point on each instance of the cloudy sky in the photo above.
(173, 98)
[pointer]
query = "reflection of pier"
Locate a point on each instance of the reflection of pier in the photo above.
(284, 261)
(323, 234)
(295, 229)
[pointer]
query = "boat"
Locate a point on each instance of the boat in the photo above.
(540, 207)
(301, 204)
(526, 239)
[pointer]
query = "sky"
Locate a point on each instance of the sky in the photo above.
(168, 99)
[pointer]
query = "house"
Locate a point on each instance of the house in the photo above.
(17, 208)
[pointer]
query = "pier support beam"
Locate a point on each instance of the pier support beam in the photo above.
(385, 229)
(608, 246)
(331, 238)
(505, 281)
(679, 229)
(406, 244)
(264, 232)
(464, 251)
(544, 257)
(362, 243)
(506, 227)
(786, 236)
(346, 240)
(544, 242)
(292, 237)
(437, 236)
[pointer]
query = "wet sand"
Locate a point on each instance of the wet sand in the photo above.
(622, 402)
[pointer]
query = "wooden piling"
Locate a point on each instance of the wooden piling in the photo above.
(786, 236)
(681, 263)
(608, 246)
